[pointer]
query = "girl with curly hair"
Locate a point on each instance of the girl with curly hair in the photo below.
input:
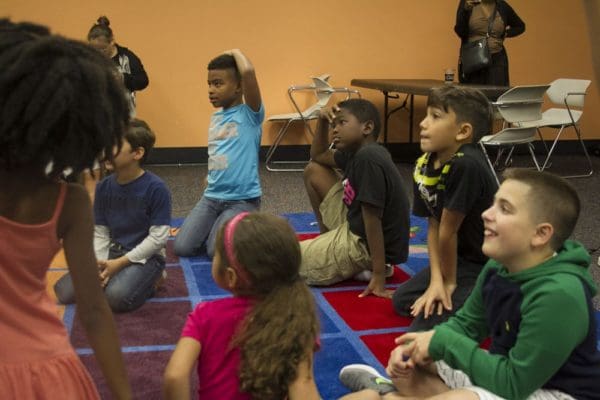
(60, 107)
(259, 343)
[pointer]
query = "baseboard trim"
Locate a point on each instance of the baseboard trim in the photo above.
(401, 152)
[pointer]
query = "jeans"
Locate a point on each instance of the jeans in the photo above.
(127, 290)
(407, 293)
(199, 230)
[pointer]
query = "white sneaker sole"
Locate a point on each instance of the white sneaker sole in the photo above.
(363, 367)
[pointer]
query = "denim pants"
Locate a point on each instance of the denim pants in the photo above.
(199, 230)
(127, 290)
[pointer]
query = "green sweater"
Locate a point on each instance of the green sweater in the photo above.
(542, 327)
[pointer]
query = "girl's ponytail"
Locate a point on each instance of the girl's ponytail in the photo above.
(275, 337)
(281, 329)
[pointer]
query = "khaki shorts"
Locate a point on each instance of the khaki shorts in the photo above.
(336, 255)
(456, 379)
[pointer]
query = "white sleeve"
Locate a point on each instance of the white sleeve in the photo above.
(152, 244)
(101, 241)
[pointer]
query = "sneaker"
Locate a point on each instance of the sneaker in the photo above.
(365, 276)
(358, 377)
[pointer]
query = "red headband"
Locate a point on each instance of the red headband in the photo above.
(229, 230)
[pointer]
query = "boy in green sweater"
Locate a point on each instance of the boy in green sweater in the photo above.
(532, 299)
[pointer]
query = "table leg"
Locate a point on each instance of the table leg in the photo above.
(411, 118)
(385, 117)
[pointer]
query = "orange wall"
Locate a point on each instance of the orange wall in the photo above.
(290, 41)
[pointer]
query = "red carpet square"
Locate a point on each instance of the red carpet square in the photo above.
(174, 285)
(153, 324)
(381, 345)
(171, 258)
(365, 313)
(144, 371)
(399, 277)
(306, 236)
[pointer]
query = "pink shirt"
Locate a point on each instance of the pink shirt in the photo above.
(213, 324)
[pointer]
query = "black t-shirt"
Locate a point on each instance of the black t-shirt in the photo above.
(371, 177)
(464, 184)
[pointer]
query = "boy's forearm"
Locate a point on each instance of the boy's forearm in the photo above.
(448, 243)
(375, 240)
(152, 244)
(320, 142)
(433, 250)
(448, 254)
(251, 90)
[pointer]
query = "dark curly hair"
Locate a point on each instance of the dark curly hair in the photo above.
(364, 111)
(61, 104)
(281, 329)
(225, 61)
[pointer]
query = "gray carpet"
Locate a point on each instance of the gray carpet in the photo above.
(283, 192)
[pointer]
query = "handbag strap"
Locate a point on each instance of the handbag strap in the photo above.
(492, 18)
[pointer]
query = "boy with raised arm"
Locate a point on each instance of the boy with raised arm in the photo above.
(233, 184)
(364, 216)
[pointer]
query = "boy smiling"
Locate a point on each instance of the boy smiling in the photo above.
(533, 300)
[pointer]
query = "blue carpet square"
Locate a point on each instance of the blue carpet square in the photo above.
(302, 222)
(204, 280)
(327, 325)
(335, 353)
(415, 263)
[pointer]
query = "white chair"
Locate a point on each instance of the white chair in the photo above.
(323, 92)
(516, 106)
(571, 94)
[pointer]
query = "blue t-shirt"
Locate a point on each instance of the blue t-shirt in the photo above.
(130, 210)
(233, 143)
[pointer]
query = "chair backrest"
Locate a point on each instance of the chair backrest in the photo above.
(522, 103)
(524, 93)
(323, 89)
(560, 88)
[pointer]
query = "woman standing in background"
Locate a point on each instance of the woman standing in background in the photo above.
(135, 78)
(472, 21)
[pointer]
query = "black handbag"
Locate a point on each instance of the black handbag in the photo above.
(476, 55)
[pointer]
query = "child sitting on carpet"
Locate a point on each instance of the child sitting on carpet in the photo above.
(364, 218)
(61, 107)
(132, 210)
(533, 299)
(452, 186)
(259, 343)
(233, 183)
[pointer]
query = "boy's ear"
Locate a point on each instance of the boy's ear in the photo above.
(139, 153)
(543, 234)
(465, 132)
(368, 127)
